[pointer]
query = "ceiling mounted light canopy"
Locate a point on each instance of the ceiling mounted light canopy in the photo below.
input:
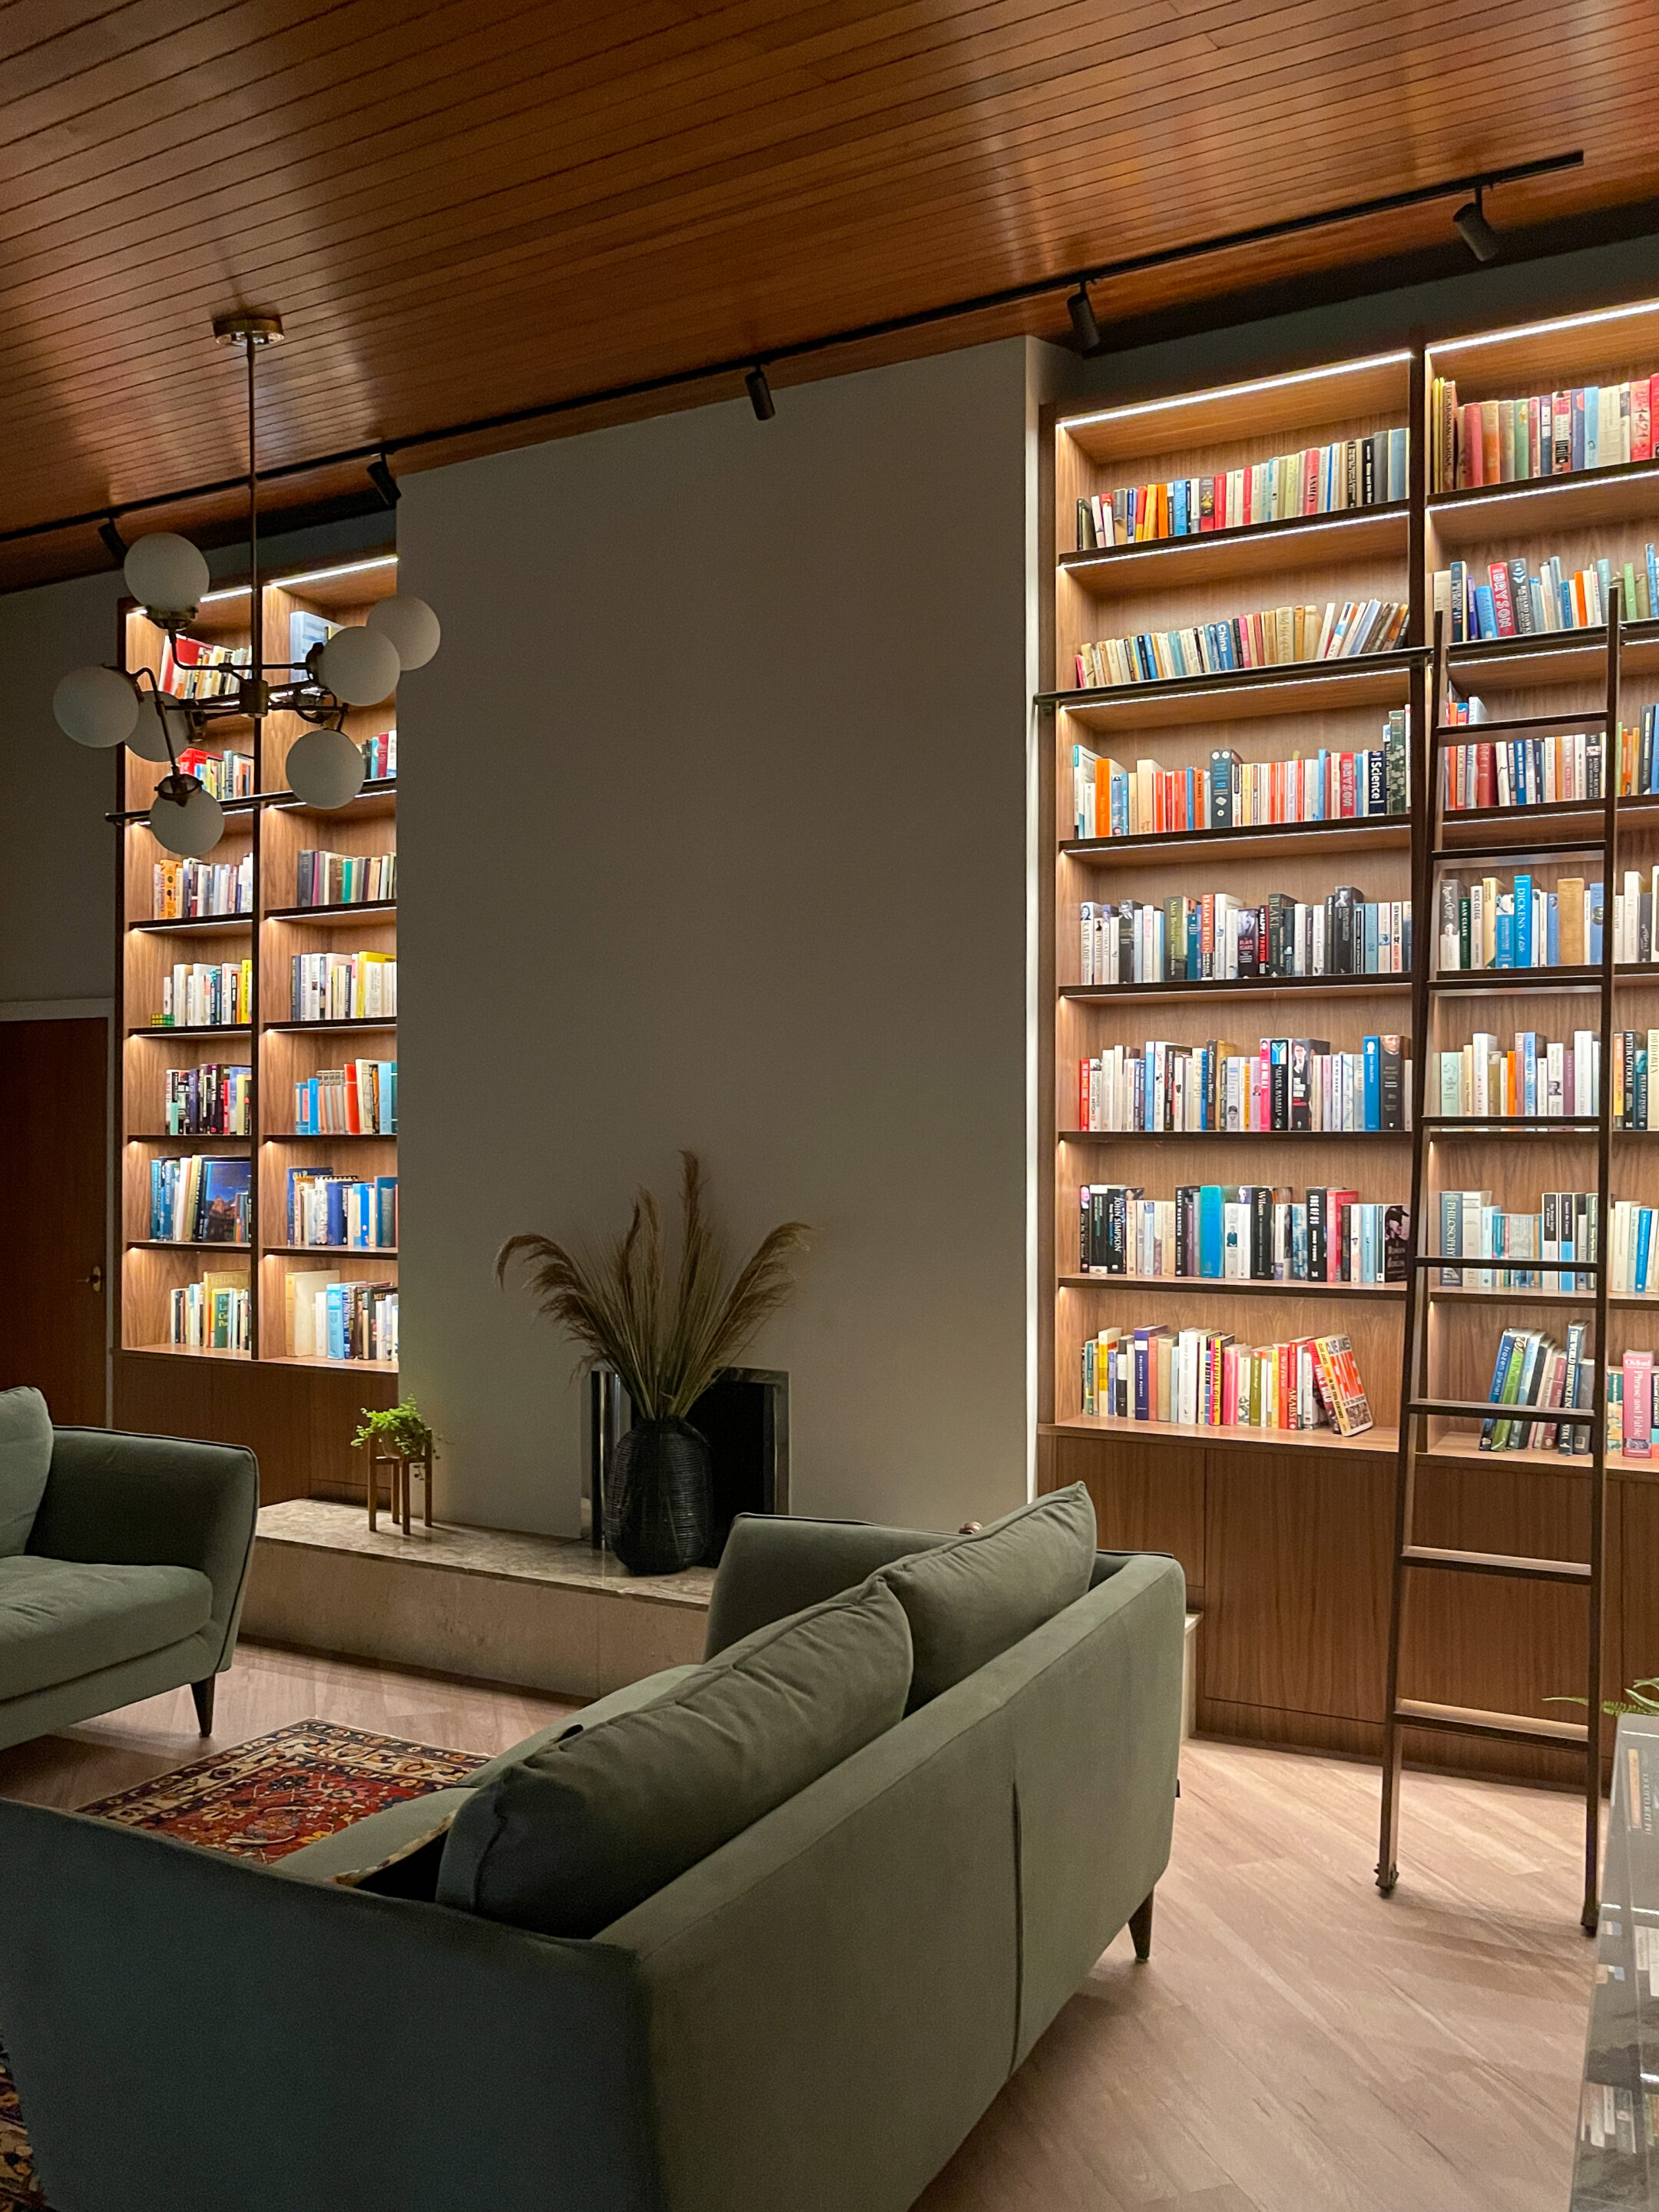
(359, 666)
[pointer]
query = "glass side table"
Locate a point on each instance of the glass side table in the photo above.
(1618, 2159)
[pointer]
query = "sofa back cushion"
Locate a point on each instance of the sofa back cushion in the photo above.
(969, 1600)
(25, 1461)
(580, 1832)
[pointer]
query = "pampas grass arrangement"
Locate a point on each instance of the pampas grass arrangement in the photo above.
(667, 1342)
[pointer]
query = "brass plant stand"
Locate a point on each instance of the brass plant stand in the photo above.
(402, 1468)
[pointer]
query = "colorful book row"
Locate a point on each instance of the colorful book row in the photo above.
(1293, 1085)
(1111, 800)
(1204, 1379)
(1246, 1232)
(203, 1199)
(1270, 637)
(1351, 472)
(1214, 937)
(1489, 442)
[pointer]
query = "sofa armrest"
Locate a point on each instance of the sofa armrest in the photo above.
(189, 2031)
(774, 1564)
(154, 1501)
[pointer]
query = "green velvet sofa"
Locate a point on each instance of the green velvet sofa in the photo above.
(810, 2019)
(130, 1579)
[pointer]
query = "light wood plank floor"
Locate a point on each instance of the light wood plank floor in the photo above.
(1296, 2044)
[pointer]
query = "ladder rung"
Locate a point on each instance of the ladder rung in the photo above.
(1546, 848)
(1470, 1262)
(1497, 1563)
(1486, 1409)
(1460, 733)
(1505, 1728)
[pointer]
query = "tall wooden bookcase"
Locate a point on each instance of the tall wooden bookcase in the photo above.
(297, 1413)
(1287, 1538)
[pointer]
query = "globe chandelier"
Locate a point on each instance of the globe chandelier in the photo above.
(357, 666)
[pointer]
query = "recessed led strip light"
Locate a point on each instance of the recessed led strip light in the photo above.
(1547, 329)
(310, 577)
(1234, 390)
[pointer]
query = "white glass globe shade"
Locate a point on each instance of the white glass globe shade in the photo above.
(359, 666)
(411, 626)
(165, 572)
(95, 706)
(325, 769)
(147, 739)
(191, 830)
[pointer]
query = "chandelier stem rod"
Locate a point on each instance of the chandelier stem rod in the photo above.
(255, 610)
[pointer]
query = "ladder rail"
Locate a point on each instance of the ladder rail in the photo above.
(1417, 1402)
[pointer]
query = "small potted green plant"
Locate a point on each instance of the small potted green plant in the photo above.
(396, 1435)
(668, 1342)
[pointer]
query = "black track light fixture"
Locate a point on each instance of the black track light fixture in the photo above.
(115, 545)
(1084, 325)
(760, 394)
(1476, 233)
(381, 476)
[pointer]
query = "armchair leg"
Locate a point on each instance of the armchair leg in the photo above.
(1141, 1928)
(203, 1693)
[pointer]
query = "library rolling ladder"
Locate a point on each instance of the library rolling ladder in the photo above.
(1418, 1405)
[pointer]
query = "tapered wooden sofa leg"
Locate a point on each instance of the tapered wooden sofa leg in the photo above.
(203, 1693)
(1141, 1928)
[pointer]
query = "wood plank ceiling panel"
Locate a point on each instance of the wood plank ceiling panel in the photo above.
(462, 207)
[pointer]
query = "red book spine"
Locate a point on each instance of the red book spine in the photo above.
(1641, 419)
(354, 1116)
(1472, 450)
(1502, 603)
(1347, 799)
(1083, 1094)
(1486, 777)
(1311, 461)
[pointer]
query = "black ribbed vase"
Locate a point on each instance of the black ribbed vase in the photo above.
(657, 1499)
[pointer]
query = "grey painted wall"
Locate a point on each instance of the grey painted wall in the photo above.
(713, 833)
(57, 883)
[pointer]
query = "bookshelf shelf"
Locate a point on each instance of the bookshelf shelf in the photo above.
(329, 1137)
(1285, 689)
(167, 1032)
(1257, 550)
(336, 1251)
(1626, 494)
(300, 1424)
(1235, 1136)
(1229, 1286)
(1250, 841)
(336, 917)
(204, 925)
(183, 1244)
(1378, 1442)
(1559, 656)
(362, 1024)
(1252, 986)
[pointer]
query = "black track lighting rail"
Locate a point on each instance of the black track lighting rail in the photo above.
(752, 366)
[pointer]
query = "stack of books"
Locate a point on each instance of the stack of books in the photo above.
(1268, 638)
(1213, 936)
(214, 1315)
(357, 1100)
(1330, 479)
(1533, 1371)
(182, 891)
(206, 995)
(339, 1212)
(1202, 1378)
(1110, 800)
(1253, 1233)
(203, 1200)
(1506, 600)
(228, 776)
(326, 1318)
(1565, 1227)
(1487, 923)
(342, 987)
(1540, 1080)
(1291, 1083)
(191, 669)
(210, 1101)
(1545, 433)
(323, 879)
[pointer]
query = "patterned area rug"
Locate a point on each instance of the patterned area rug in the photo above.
(263, 1800)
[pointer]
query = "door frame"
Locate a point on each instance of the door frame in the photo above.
(84, 1010)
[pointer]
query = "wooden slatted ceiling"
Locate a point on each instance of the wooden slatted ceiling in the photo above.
(471, 206)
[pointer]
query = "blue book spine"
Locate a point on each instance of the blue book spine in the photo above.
(1578, 428)
(1371, 939)
(1209, 1230)
(1643, 1245)
(1178, 507)
(337, 1213)
(1397, 486)
(1552, 930)
(1596, 925)
(1373, 1092)
(1592, 412)
(1192, 800)
(335, 1309)
(1320, 786)
(1653, 577)
(1503, 940)
(1486, 615)
(1530, 1073)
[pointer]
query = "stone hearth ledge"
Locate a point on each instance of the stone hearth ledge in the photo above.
(540, 1612)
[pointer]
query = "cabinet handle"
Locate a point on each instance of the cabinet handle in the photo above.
(96, 1279)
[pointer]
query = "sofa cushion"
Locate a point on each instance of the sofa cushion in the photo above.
(60, 1619)
(570, 1839)
(25, 1461)
(969, 1600)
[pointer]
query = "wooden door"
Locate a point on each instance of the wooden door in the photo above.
(54, 1297)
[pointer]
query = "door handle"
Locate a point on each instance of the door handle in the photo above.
(96, 1279)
